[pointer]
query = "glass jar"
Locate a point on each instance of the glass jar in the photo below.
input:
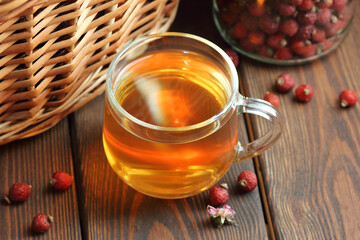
(283, 32)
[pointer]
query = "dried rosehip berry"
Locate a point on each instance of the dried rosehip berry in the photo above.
(272, 98)
(348, 98)
(308, 51)
(284, 83)
(306, 31)
(247, 181)
(61, 181)
(334, 28)
(269, 23)
(233, 56)
(276, 41)
(323, 16)
(289, 27)
(18, 192)
(296, 2)
(345, 13)
(307, 18)
(249, 21)
(339, 4)
(283, 54)
(298, 46)
(325, 45)
(285, 10)
(307, 5)
(219, 195)
(318, 35)
(247, 45)
(325, 3)
(228, 18)
(304, 93)
(239, 31)
(41, 223)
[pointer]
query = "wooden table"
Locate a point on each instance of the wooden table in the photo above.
(309, 181)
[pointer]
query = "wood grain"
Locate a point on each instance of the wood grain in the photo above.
(111, 209)
(33, 161)
(312, 174)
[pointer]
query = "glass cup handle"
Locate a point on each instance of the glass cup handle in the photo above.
(269, 112)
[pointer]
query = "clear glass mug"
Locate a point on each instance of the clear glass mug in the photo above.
(172, 110)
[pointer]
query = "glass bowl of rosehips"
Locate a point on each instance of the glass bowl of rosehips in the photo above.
(284, 32)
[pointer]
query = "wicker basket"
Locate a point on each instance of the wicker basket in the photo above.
(54, 54)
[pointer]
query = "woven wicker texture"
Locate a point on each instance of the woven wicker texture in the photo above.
(54, 54)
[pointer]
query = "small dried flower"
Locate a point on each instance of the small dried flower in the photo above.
(221, 215)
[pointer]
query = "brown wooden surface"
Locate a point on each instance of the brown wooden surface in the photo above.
(33, 161)
(312, 174)
(310, 177)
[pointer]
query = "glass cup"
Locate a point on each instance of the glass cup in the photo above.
(172, 110)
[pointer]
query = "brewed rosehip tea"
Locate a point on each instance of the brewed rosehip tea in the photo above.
(172, 107)
(170, 88)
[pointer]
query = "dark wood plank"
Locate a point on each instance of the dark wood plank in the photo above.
(312, 173)
(33, 161)
(111, 209)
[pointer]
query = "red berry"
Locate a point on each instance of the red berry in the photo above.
(256, 9)
(318, 35)
(309, 50)
(247, 45)
(41, 223)
(269, 24)
(284, 82)
(323, 16)
(285, 10)
(18, 192)
(289, 27)
(233, 56)
(298, 46)
(272, 98)
(348, 98)
(325, 3)
(306, 31)
(61, 181)
(228, 18)
(339, 4)
(219, 195)
(296, 2)
(276, 41)
(334, 28)
(345, 13)
(304, 93)
(249, 21)
(239, 31)
(283, 54)
(325, 45)
(247, 181)
(307, 18)
(256, 38)
(307, 5)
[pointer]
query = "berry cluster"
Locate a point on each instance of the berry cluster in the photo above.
(19, 192)
(304, 92)
(284, 29)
